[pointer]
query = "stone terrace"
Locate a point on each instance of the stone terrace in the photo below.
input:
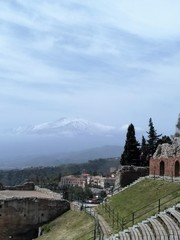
(13, 194)
(27, 190)
(24, 208)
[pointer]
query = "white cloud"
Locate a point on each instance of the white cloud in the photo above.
(109, 60)
(125, 127)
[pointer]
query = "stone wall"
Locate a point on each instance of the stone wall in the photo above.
(128, 174)
(27, 186)
(164, 166)
(18, 216)
(166, 159)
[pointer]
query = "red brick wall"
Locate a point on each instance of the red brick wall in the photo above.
(169, 166)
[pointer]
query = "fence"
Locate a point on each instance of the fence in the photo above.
(113, 215)
(97, 232)
(153, 208)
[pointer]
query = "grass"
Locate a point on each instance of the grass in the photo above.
(72, 225)
(144, 193)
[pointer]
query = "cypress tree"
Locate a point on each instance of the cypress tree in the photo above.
(143, 145)
(153, 138)
(144, 152)
(131, 151)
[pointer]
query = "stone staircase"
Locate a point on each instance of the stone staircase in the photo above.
(162, 226)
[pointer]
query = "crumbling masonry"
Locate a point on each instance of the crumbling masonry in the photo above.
(24, 208)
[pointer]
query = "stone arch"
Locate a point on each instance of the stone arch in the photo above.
(176, 169)
(161, 168)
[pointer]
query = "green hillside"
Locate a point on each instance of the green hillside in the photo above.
(119, 209)
(72, 225)
(144, 195)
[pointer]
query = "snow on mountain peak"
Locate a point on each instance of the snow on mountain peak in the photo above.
(68, 126)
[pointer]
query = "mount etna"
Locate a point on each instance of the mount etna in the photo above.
(62, 141)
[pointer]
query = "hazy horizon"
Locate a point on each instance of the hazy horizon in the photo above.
(109, 62)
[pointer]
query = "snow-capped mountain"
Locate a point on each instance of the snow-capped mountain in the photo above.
(60, 140)
(67, 126)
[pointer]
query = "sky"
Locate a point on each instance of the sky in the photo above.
(112, 62)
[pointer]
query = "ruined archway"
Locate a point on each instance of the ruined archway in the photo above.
(161, 172)
(177, 169)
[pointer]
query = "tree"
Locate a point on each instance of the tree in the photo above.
(164, 139)
(144, 152)
(131, 152)
(153, 138)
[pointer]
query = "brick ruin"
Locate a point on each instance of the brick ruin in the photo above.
(166, 159)
(169, 167)
(165, 162)
(23, 209)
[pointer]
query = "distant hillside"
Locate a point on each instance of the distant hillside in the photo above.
(53, 159)
(50, 176)
(75, 157)
(61, 141)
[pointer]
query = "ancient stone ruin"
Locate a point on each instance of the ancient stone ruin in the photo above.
(166, 159)
(128, 174)
(24, 208)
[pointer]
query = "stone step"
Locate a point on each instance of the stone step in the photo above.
(121, 236)
(160, 232)
(146, 231)
(137, 233)
(174, 214)
(163, 226)
(172, 227)
(124, 235)
(177, 207)
(133, 233)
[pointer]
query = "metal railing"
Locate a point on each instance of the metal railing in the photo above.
(113, 215)
(97, 232)
(153, 208)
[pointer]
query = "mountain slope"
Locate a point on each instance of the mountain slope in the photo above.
(77, 156)
(51, 143)
(67, 126)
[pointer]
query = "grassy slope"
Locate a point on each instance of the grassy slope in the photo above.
(138, 196)
(71, 225)
(78, 225)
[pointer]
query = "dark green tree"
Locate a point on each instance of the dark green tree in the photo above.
(164, 139)
(144, 152)
(131, 153)
(153, 138)
(78, 193)
(143, 145)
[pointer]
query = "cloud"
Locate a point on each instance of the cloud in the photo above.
(107, 61)
(125, 127)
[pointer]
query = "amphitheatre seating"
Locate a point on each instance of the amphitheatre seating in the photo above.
(124, 235)
(171, 226)
(134, 233)
(163, 226)
(159, 230)
(147, 232)
(174, 214)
